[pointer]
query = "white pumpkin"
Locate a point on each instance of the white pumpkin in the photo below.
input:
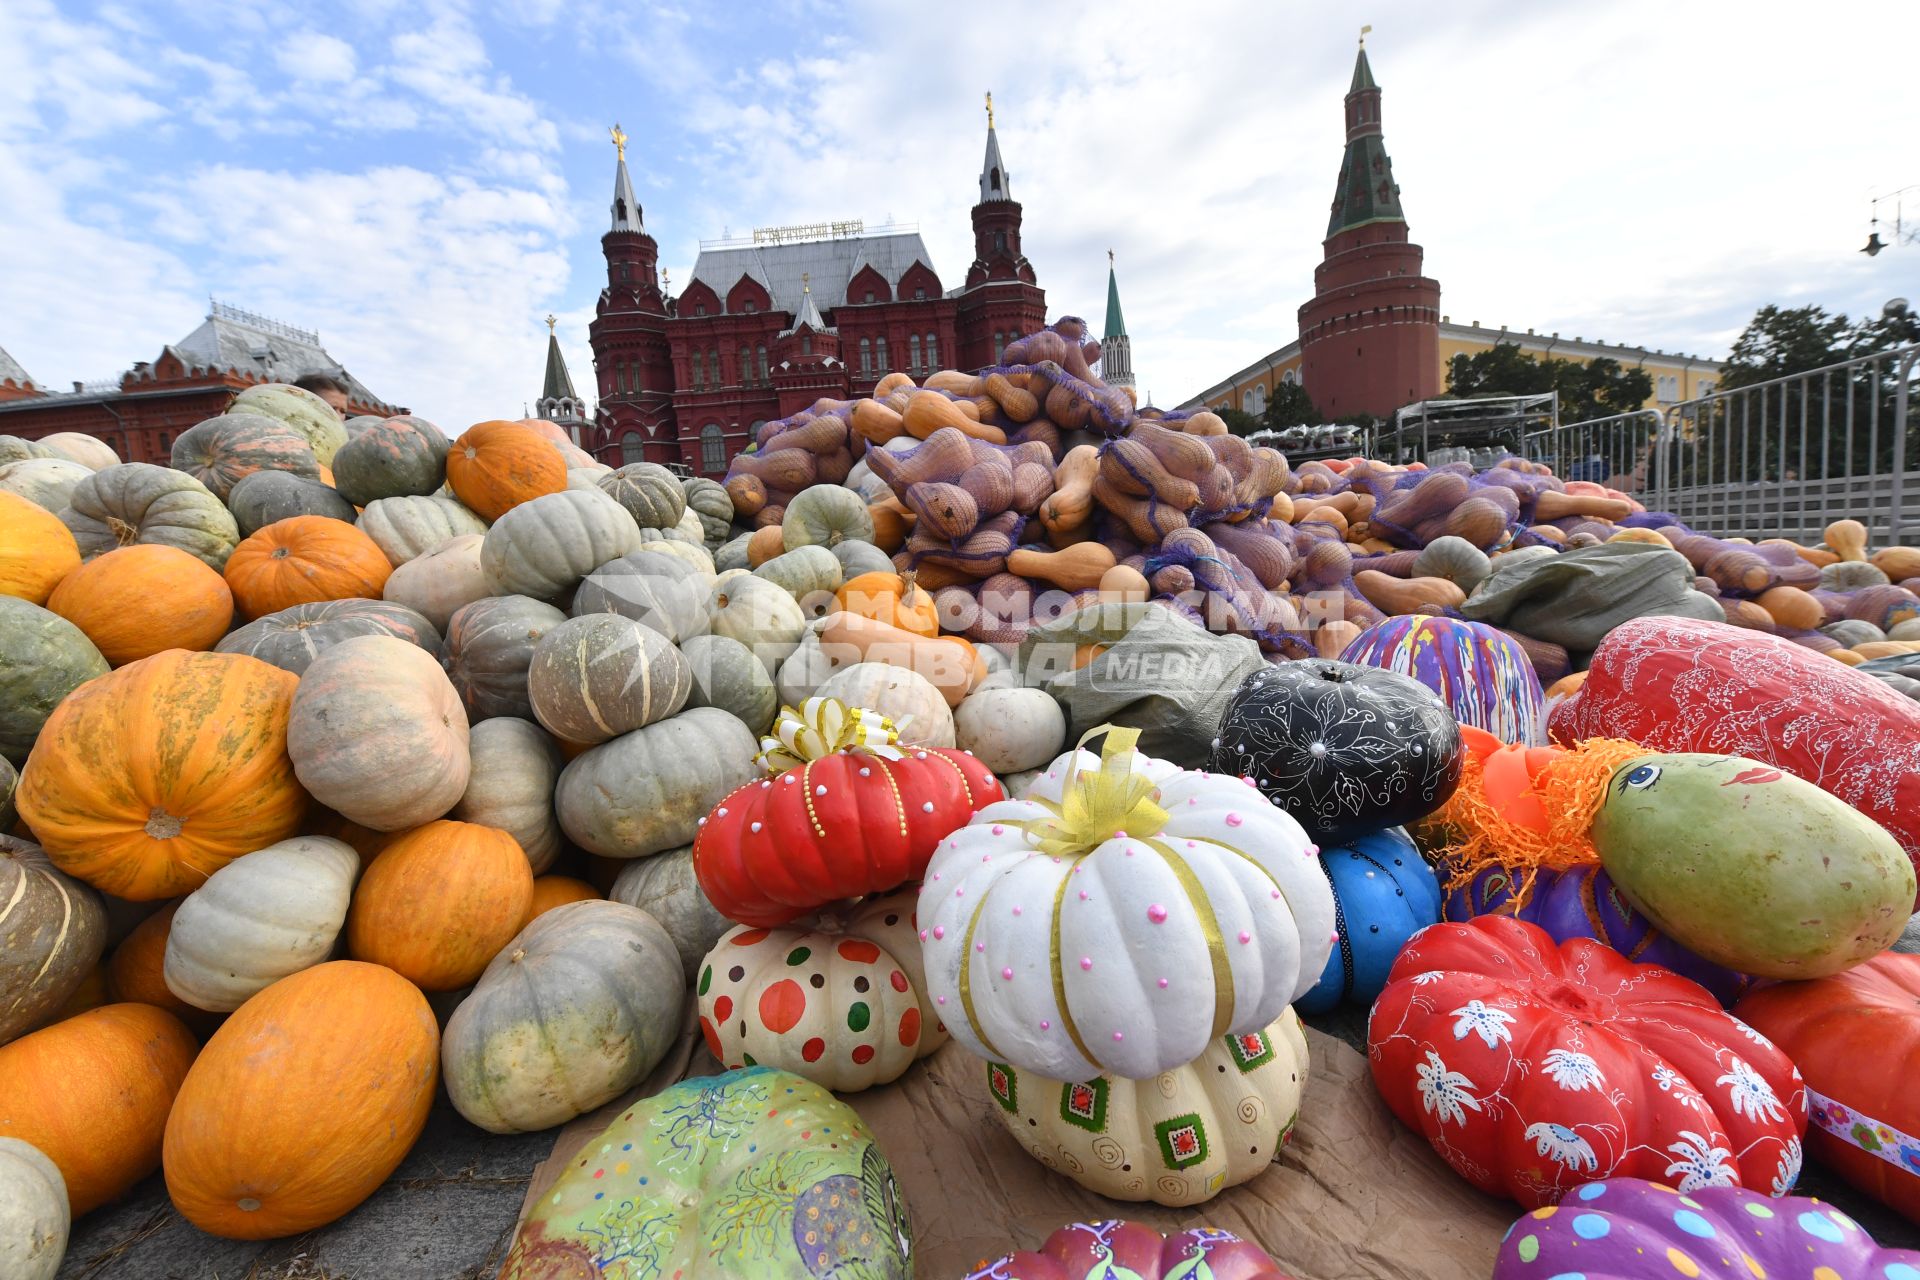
(261, 917)
(903, 695)
(1100, 952)
(1010, 730)
(438, 584)
(759, 615)
(34, 1215)
(515, 768)
(406, 527)
(1178, 1139)
(45, 482)
(696, 556)
(572, 1013)
(91, 452)
(665, 887)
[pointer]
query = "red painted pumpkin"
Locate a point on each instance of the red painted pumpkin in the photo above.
(845, 825)
(304, 559)
(1085, 1249)
(1856, 1038)
(1534, 1068)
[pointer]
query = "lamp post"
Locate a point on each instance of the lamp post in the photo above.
(1902, 234)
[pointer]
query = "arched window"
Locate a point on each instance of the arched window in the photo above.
(869, 297)
(713, 450)
(920, 294)
(999, 345)
(913, 353)
(746, 366)
(626, 272)
(699, 309)
(866, 358)
(1291, 377)
(633, 376)
(699, 371)
(619, 377)
(999, 242)
(806, 344)
(632, 448)
(933, 353)
(713, 359)
(761, 352)
(880, 354)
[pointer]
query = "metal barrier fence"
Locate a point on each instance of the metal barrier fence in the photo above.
(1777, 459)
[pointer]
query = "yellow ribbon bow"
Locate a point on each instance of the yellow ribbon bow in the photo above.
(1098, 804)
(823, 726)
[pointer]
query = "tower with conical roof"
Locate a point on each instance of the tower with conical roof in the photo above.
(1370, 337)
(1002, 299)
(558, 402)
(633, 363)
(1116, 349)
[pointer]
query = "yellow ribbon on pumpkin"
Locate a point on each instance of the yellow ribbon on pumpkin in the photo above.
(821, 727)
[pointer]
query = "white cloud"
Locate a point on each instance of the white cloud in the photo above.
(316, 58)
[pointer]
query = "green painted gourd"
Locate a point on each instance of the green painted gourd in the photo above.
(300, 409)
(835, 1185)
(708, 499)
(136, 502)
(665, 887)
(543, 548)
(810, 574)
(264, 915)
(760, 615)
(441, 582)
(55, 928)
(576, 1010)
(857, 558)
(43, 658)
(45, 482)
(515, 767)
(16, 449)
(266, 497)
(412, 526)
(650, 493)
(727, 675)
(825, 515)
(489, 646)
(732, 554)
(35, 1215)
(292, 638)
(595, 677)
(653, 587)
(648, 790)
(396, 458)
(223, 450)
(1794, 884)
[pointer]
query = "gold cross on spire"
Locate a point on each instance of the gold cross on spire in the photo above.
(1109, 259)
(550, 322)
(666, 281)
(619, 140)
(989, 108)
(805, 277)
(1363, 34)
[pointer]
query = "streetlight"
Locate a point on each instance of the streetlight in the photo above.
(1901, 234)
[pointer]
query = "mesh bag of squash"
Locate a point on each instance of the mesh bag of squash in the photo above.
(1143, 666)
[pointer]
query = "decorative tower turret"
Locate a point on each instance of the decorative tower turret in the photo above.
(1002, 299)
(632, 361)
(558, 402)
(1116, 349)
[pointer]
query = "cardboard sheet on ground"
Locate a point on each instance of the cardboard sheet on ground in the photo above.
(1353, 1196)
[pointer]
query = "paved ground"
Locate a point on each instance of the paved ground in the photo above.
(448, 1214)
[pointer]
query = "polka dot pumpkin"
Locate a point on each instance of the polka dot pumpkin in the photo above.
(1631, 1229)
(841, 1005)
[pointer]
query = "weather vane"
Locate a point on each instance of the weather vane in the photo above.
(550, 322)
(619, 140)
(1363, 34)
(989, 108)
(1109, 259)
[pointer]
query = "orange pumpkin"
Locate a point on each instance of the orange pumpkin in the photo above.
(93, 1093)
(303, 1102)
(496, 466)
(440, 902)
(136, 972)
(149, 779)
(90, 994)
(36, 549)
(892, 598)
(556, 891)
(302, 560)
(136, 601)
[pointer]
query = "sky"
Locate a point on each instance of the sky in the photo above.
(422, 183)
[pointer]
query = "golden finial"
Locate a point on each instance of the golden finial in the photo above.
(666, 281)
(619, 140)
(805, 277)
(1109, 259)
(1363, 34)
(989, 108)
(550, 322)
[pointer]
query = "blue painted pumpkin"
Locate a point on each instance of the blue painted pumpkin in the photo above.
(1483, 675)
(1384, 892)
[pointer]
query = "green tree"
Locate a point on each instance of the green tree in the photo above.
(1588, 389)
(1291, 406)
(1779, 342)
(1239, 421)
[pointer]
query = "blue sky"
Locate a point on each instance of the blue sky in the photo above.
(423, 182)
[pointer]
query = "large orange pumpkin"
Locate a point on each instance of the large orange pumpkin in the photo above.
(136, 601)
(93, 1093)
(496, 466)
(149, 779)
(304, 559)
(36, 549)
(556, 891)
(440, 902)
(137, 971)
(892, 598)
(303, 1102)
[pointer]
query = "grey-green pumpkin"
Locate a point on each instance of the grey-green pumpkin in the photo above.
(488, 648)
(708, 499)
(650, 493)
(857, 557)
(732, 554)
(45, 482)
(9, 783)
(572, 1013)
(596, 677)
(223, 450)
(810, 574)
(407, 527)
(300, 409)
(543, 548)
(398, 457)
(17, 449)
(515, 766)
(265, 497)
(824, 515)
(35, 1212)
(655, 588)
(43, 658)
(136, 502)
(727, 675)
(292, 638)
(647, 790)
(665, 887)
(55, 929)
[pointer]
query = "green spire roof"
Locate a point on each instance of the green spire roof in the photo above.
(559, 383)
(1366, 192)
(1362, 73)
(1116, 323)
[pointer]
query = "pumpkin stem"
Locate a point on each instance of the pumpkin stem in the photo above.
(162, 825)
(123, 533)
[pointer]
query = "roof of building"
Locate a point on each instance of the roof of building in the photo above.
(995, 181)
(1362, 73)
(779, 267)
(1116, 323)
(558, 384)
(10, 370)
(809, 315)
(230, 338)
(1366, 191)
(627, 214)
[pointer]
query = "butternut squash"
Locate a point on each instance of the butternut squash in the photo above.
(1650, 536)
(1147, 521)
(1548, 532)
(1887, 648)
(940, 456)
(1568, 685)
(960, 384)
(1324, 513)
(1898, 563)
(1132, 468)
(873, 420)
(1847, 539)
(891, 523)
(1065, 538)
(1083, 654)
(1792, 607)
(935, 576)
(1330, 639)
(1745, 613)
(1016, 402)
(1407, 595)
(766, 543)
(1847, 656)
(928, 411)
(1072, 500)
(1558, 506)
(1205, 423)
(893, 382)
(1122, 584)
(1075, 569)
(953, 666)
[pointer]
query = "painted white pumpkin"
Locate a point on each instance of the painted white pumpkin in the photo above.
(45, 482)
(34, 1215)
(261, 917)
(572, 1013)
(1010, 730)
(902, 694)
(841, 1002)
(1178, 1139)
(515, 768)
(438, 584)
(91, 452)
(759, 615)
(1101, 952)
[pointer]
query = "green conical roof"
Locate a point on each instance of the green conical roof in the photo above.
(559, 383)
(1362, 73)
(1116, 323)
(1366, 192)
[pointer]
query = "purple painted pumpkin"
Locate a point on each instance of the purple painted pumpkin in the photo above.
(1583, 903)
(1630, 1229)
(1483, 675)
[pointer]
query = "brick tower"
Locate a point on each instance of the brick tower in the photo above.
(1002, 300)
(632, 362)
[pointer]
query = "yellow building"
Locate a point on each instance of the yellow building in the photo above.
(1676, 377)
